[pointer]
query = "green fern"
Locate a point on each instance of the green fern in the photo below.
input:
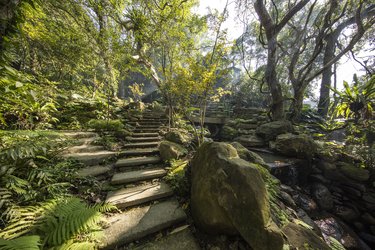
(22, 243)
(71, 245)
(58, 222)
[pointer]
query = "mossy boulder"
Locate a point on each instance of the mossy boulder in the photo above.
(353, 172)
(269, 131)
(228, 133)
(228, 196)
(170, 150)
(299, 146)
(178, 136)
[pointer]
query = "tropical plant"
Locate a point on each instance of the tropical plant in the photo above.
(356, 101)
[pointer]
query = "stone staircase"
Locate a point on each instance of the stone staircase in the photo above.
(147, 203)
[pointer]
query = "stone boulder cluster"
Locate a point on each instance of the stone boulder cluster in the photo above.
(245, 127)
(230, 194)
(335, 201)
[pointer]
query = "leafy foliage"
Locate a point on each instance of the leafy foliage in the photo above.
(356, 101)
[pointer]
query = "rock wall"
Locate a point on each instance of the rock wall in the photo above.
(342, 187)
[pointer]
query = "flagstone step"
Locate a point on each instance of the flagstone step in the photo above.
(145, 134)
(137, 161)
(139, 152)
(141, 145)
(85, 148)
(127, 197)
(149, 130)
(141, 122)
(148, 126)
(94, 171)
(140, 222)
(79, 134)
(137, 175)
(181, 240)
(142, 139)
(91, 158)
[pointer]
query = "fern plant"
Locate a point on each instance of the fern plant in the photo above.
(67, 223)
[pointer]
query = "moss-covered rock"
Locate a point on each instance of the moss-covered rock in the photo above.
(170, 150)
(353, 172)
(228, 195)
(178, 137)
(269, 131)
(299, 146)
(228, 133)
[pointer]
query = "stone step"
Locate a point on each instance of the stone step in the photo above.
(91, 158)
(148, 126)
(140, 222)
(87, 141)
(141, 145)
(138, 175)
(142, 139)
(180, 240)
(127, 197)
(154, 119)
(148, 130)
(145, 123)
(138, 152)
(94, 171)
(79, 134)
(145, 134)
(137, 161)
(85, 148)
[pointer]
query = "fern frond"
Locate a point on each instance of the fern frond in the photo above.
(71, 245)
(22, 243)
(70, 218)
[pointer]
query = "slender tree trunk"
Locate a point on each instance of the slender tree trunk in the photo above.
(277, 106)
(297, 104)
(324, 98)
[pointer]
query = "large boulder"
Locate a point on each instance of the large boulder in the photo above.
(299, 146)
(229, 196)
(178, 137)
(269, 131)
(250, 141)
(300, 237)
(170, 150)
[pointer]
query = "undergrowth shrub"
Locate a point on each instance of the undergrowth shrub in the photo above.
(37, 209)
(105, 125)
(177, 177)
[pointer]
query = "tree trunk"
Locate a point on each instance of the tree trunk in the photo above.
(297, 104)
(277, 106)
(324, 98)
